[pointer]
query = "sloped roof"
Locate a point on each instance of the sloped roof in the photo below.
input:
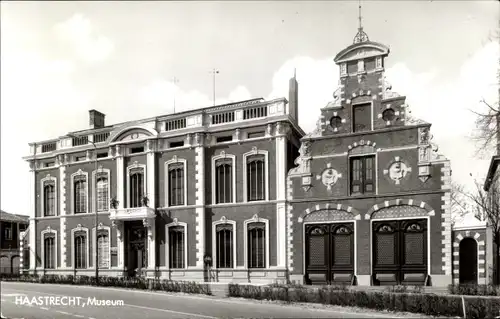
(4, 216)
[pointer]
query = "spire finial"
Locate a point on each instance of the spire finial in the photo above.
(361, 36)
(360, 17)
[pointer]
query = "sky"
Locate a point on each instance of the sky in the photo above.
(61, 59)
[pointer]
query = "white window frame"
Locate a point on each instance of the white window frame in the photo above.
(87, 248)
(175, 160)
(94, 240)
(48, 230)
(253, 152)
(167, 244)
(223, 155)
(106, 171)
(42, 191)
(75, 174)
(223, 221)
(129, 168)
(255, 219)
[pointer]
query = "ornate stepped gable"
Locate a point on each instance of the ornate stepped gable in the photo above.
(362, 80)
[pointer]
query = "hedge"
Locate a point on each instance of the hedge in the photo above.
(133, 283)
(474, 290)
(429, 304)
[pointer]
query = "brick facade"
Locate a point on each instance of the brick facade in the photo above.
(273, 133)
(411, 181)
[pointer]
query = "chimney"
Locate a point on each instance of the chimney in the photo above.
(96, 119)
(293, 97)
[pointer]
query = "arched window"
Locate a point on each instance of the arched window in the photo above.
(224, 181)
(102, 192)
(49, 252)
(80, 250)
(224, 246)
(176, 184)
(49, 199)
(103, 245)
(176, 246)
(256, 185)
(136, 187)
(80, 194)
(256, 245)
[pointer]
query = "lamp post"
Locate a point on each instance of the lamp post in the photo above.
(96, 249)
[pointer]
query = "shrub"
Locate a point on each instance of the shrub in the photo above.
(133, 283)
(429, 304)
(474, 290)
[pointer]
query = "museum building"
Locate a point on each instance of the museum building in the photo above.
(369, 203)
(239, 193)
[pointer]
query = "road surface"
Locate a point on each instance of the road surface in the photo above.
(52, 301)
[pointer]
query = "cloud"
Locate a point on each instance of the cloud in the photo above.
(87, 43)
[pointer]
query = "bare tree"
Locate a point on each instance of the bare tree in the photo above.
(459, 202)
(488, 121)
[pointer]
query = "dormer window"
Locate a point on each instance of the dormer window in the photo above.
(343, 69)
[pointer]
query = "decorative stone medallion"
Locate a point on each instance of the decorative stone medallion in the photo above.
(329, 176)
(397, 170)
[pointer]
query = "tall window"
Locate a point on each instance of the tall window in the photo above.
(362, 117)
(176, 246)
(7, 231)
(80, 250)
(224, 245)
(49, 199)
(256, 245)
(80, 194)
(49, 251)
(176, 184)
(103, 245)
(102, 192)
(136, 187)
(224, 181)
(256, 186)
(363, 175)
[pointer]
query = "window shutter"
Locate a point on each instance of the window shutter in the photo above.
(356, 176)
(369, 172)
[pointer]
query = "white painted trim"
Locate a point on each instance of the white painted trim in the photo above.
(42, 190)
(255, 151)
(167, 243)
(72, 181)
(304, 243)
(223, 155)
(87, 248)
(477, 265)
(113, 139)
(175, 160)
(144, 179)
(255, 219)
(214, 241)
(94, 240)
(403, 218)
(94, 188)
(48, 230)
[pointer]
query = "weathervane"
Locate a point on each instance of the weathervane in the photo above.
(361, 36)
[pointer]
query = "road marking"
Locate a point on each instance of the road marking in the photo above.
(44, 308)
(171, 311)
(79, 316)
(13, 295)
(63, 312)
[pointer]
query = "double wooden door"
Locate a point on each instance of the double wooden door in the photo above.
(329, 253)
